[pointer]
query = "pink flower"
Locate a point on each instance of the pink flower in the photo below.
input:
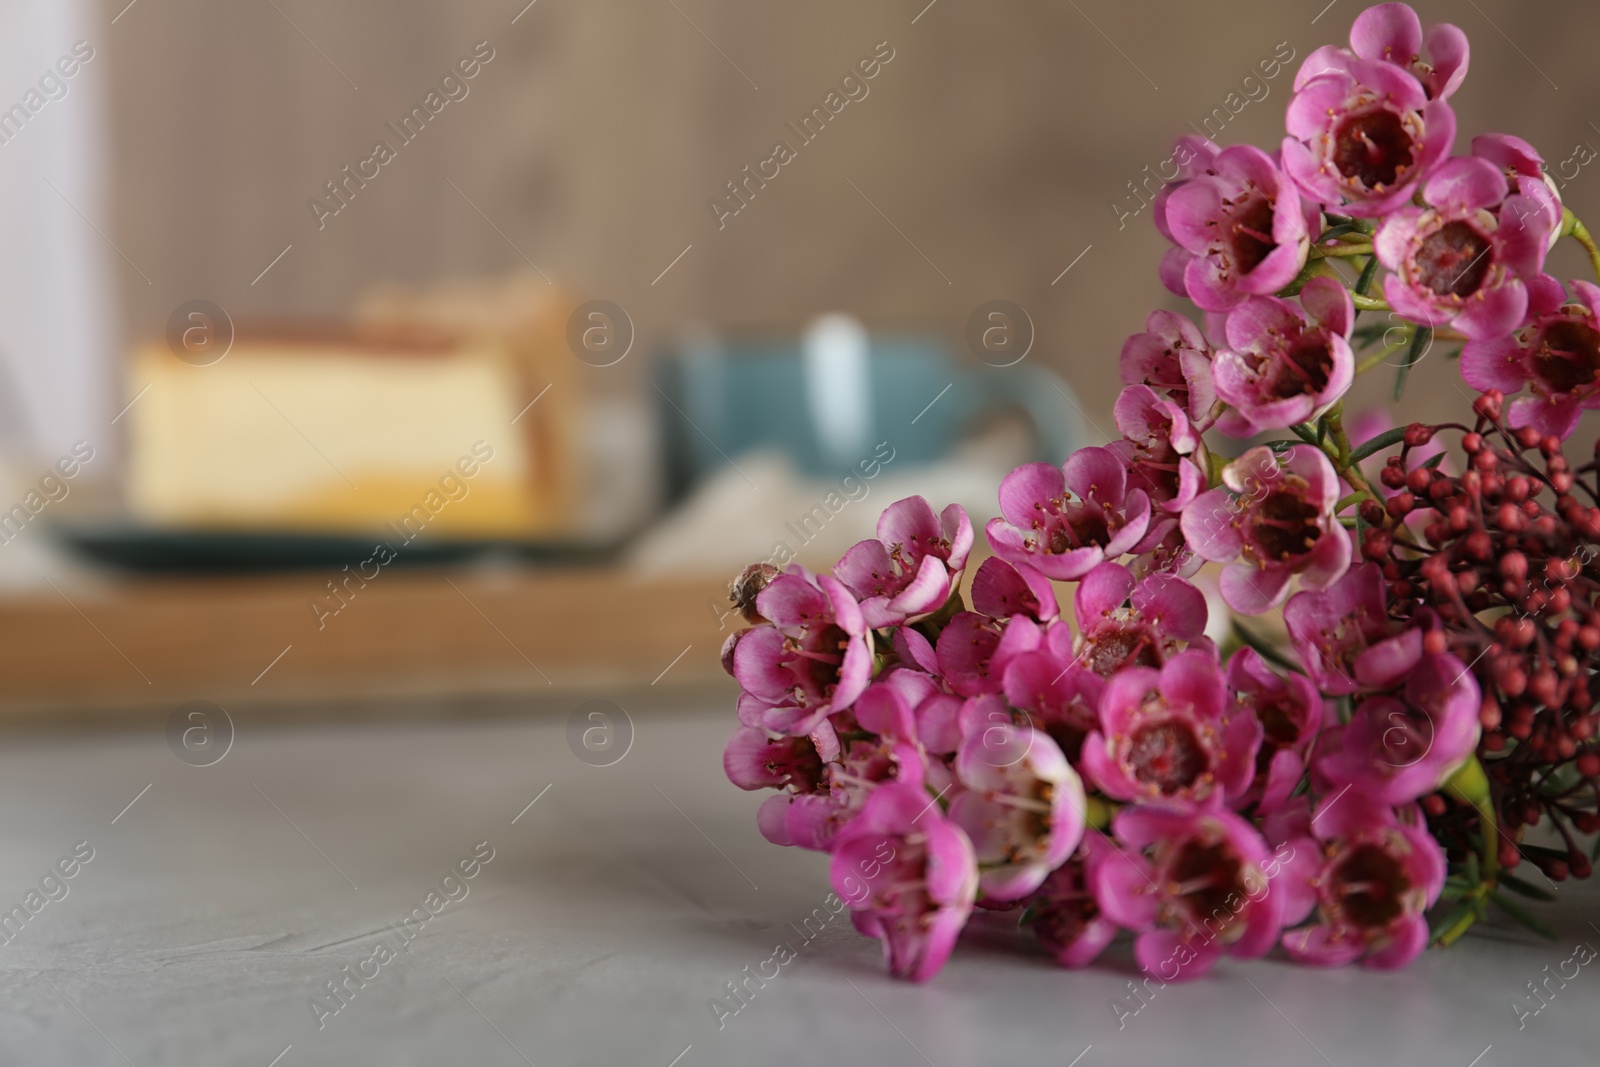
(1392, 33)
(1363, 133)
(1274, 517)
(1172, 357)
(1201, 891)
(1398, 748)
(1242, 225)
(974, 649)
(813, 814)
(814, 659)
(1021, 805)
(1462, 261)
(1285, 364)
(908, 570)
(1002, 590)
(1124, 623)
(1063, 912)
(1345, 638)
(911, 877)
(1368, 877)
(1153, 425)
(1289, 709)
(1193, 156)
(1059, 693)
(1065, 520)
(1525, 171)
(1165, 551)
(1167, 734)
(1556, 355)
(756, 759)
(1156, 447)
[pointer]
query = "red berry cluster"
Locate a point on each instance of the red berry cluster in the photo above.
(1506, 556)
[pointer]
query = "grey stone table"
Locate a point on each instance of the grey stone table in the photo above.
(598, 925)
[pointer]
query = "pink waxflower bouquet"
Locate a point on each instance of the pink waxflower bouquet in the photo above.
(1350, 797)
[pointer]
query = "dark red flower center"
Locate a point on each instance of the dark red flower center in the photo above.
(1373, 148)
(1157, 472)
(1078, 524)
(794, 759)
(1368, 885)
(1167, 755)
(1285, 524)
(1301, 368)
(1568, 356)
(1278, 728)
(816, 662)
(1210, 880)
(1454, 260)
(1061, 922)
(1250, 233)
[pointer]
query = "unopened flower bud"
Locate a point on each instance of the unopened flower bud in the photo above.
(1418, 434)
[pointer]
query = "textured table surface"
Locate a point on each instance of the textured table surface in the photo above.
(614, 909)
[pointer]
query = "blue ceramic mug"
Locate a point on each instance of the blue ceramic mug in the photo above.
(826, 399)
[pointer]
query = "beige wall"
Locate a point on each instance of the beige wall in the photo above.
(995, 140)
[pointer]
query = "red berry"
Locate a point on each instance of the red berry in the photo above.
(1514, 567)
(1542, 686)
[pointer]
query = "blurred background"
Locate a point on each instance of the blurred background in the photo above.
(410, 349)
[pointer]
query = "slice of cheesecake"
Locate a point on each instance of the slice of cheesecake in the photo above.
(416, 415)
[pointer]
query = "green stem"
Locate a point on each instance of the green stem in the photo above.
(1452, 933)
(1347, 250)
(1339, 454)
(1581, 234)
(1470, 785)
(1097, 811)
